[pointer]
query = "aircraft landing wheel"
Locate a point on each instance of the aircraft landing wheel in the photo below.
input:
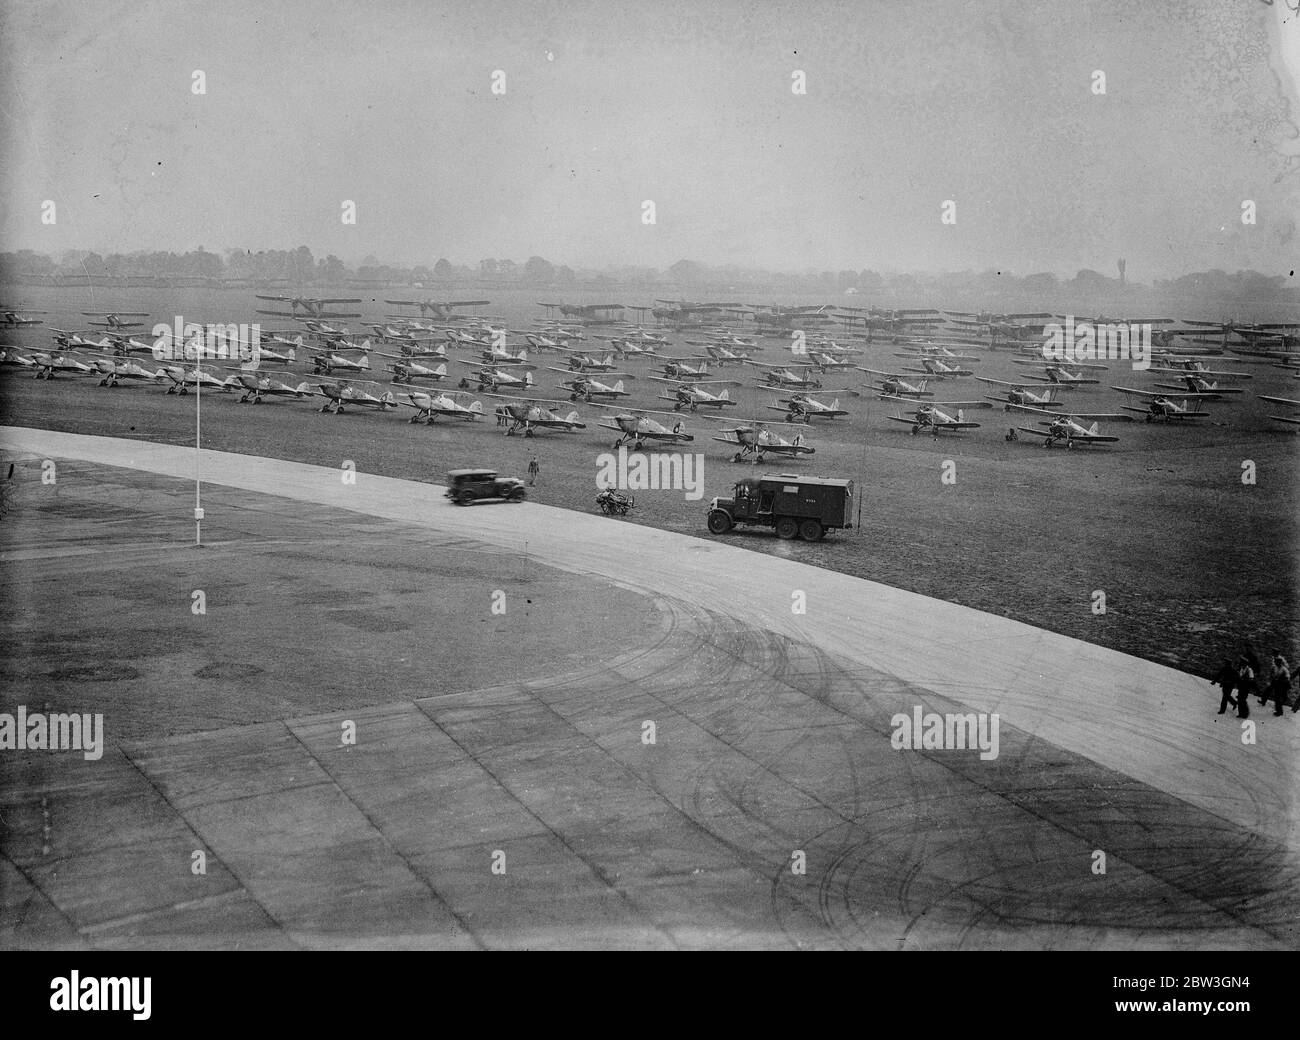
(617, 445)
(913, 430)
(1047, 443)
(735, 457)
(528, 432)
(413, 419)
(1069, 445)
(786, 528)
(573, 397)
(257, 400)
(510, 431)
(677, 407)
(811, 531)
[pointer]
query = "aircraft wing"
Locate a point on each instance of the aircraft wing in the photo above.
(1175, 396)
(1033, 409)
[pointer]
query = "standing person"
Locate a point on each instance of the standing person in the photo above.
(533, 470)
(1255, 668)
(1245, 680)
(1279, 687)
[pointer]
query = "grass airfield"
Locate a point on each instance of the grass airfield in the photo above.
(1192, 561)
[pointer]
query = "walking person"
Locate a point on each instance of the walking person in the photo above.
(1227, 678)
(533, 470)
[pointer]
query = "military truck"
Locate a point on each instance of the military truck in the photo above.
(796, 506)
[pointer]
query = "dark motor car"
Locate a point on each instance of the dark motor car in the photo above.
(467, 485)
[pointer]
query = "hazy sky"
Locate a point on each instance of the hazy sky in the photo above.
(689, 104)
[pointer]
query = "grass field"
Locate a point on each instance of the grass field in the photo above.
(1193, 562)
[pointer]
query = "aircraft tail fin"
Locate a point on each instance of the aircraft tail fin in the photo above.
(572, 416)
(528, 379)
(303, 389)
(724, 395)
(619, 386)
(476, 407)
(441, 369)
(961, 416)
(364, 363)
(1093, 429)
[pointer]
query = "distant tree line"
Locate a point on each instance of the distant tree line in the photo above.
(299, 268)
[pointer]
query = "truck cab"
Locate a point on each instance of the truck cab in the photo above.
(796, 506)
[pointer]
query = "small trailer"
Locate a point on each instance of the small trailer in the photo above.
(796, 506)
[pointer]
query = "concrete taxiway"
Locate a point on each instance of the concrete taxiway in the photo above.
(359, 602)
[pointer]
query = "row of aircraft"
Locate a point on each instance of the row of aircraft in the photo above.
(418, 356)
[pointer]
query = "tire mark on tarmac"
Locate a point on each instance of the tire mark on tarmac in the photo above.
(433, 891)
(284, 932)
(596, 870)
(1245, 850)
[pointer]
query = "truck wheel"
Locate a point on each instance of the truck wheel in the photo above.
(464, 498)
(720, 521)
(516, 495)
(786, 528)
(811, 531)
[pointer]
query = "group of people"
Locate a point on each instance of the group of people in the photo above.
(1246, 678)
